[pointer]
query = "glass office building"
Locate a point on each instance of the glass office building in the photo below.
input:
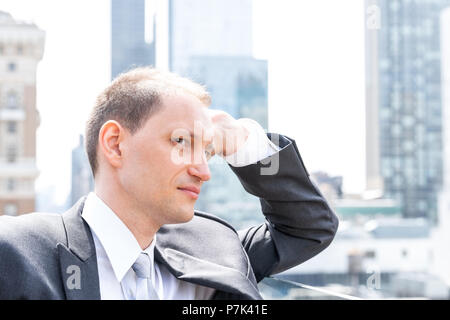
(128, 46)
(410, 106)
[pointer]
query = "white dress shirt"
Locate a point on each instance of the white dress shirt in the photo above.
(256, 147)
(117, 249)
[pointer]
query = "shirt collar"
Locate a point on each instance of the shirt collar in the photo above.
(119, 243)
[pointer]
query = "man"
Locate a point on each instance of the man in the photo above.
(148, 140)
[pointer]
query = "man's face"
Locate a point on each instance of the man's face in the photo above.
(164, 166)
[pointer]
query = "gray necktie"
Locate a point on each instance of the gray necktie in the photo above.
(144, 287)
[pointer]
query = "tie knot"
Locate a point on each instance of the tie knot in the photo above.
(142, 266)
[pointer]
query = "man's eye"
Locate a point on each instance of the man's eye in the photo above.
(179, 140)
(209, 152)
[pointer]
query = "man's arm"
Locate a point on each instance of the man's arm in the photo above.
(299, 222)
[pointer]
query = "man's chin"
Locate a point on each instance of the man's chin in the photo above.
(188, 217)
(183, 216)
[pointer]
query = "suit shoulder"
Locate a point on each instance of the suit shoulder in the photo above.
(200, 229)
(29, 255)
(212, 218)
(31, 226)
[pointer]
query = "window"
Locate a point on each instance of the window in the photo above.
(12, 127)
(12, 101)
(10, 209)
(1, 50)
(11, 154)
(12, 67)
(11, 184)
(19, 49)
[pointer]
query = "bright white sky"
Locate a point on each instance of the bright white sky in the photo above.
(316, 79)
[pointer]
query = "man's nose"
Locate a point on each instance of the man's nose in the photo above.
(200, 170)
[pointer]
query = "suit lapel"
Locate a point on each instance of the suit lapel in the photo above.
(78, 259)
(202, 272)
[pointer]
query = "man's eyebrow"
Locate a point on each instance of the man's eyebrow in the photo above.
(198, 137)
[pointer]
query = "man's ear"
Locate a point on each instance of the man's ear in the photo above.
(110, 136)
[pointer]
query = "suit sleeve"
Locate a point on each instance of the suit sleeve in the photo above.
(299, 222)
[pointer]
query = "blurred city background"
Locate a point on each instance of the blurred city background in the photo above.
(362, 86)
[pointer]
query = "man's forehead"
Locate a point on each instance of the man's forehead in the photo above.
(181, 99)
(185, 106)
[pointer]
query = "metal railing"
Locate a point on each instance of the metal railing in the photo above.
(273, 288)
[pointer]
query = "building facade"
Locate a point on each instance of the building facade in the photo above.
(410, 107)
(128, 44)
(21, 48)
(208, 28)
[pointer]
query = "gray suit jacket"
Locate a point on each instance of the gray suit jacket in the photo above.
(52, 256)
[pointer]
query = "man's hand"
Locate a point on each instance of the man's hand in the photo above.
(229, 133)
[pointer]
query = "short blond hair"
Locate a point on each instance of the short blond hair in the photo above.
(131, 98)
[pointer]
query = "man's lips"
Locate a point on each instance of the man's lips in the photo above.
(192, 191)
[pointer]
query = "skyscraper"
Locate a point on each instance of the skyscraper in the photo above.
(410, 108)
(21, 48)
(208, 28)
(211, 43)
(128, 45)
